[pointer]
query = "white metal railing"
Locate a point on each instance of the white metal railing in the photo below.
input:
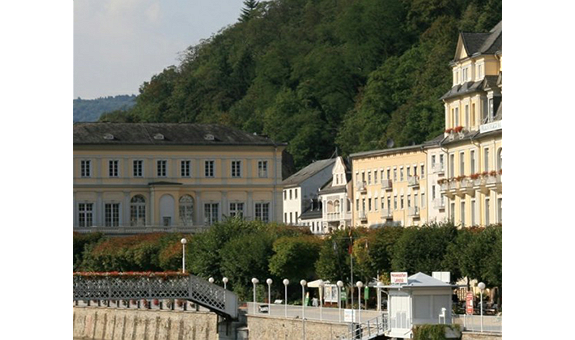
(386, 213)
(413, 181)
(361, 186)
(362, 215)
(474, 323)
(437, 168)
(367, 330)
(413, 211)
(439, 203)
(333, 216)
(328, 314)
(144, 229)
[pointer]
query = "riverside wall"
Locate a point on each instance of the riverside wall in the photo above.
(122, 324)
(480, 336)
(267, 328)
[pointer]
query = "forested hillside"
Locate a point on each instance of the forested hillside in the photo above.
(321, 74)
(90, 110)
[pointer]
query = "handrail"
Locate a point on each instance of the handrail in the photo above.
(368, 329)
(190, 287)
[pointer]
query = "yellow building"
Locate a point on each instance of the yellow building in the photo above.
(473, 135)
(456, 176)
(390, 187)
(131, 178)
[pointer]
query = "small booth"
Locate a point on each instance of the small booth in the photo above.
(416, 300)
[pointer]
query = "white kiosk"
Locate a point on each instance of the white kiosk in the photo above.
(416, 300)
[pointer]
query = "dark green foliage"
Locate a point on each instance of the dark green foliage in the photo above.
(80, 241)
(434, 332)
(90, 110)
(294, 257)
(321, 74)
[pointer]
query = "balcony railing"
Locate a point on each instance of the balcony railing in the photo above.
(386, 214)
(361, 186)
(362, 215)
(334, 216)
(386, 184)
(413, 211)
(438, 168)
(413, 181)
(439, 203)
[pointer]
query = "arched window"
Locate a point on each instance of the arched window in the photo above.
(336, 206)
(187, 210)
(499, 159)
(138, 211)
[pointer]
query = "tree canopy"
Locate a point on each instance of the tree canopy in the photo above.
(321, 74)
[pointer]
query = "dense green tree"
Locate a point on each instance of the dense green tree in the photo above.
(294, 257)
(321, 74)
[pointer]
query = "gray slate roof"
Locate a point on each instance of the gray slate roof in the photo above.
(308, 172)
(484, 43)
(173, 134)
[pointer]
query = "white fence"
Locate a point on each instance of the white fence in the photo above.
(476, 323)
(330, 314)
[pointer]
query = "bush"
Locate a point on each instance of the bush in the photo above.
(434, 332)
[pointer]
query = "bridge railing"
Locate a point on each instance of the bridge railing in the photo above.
(367, 330)
(126, 287)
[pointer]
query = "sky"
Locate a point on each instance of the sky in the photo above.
(119, 44)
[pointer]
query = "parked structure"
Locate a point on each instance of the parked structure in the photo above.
(132, 178)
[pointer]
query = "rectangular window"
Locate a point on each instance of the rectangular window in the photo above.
(369, 177)
(401, 201)
(422, 200)
(85, 168)
(290, 194)
(461, 164)
(456, 117)
(263, 169)
(185, 168)
(409, 201)
(433, 192)
(285, 195)
(237, 209)
(452, 205)
(112, 214)
(236, 168)
(441, 160)
(473, 114)
(422, 171)
(209, 168)
(138, 168)
(472, 212)
(369, 203)
(408, 172)
(500, 210)
(210, 213)
(472, 162)
(401, 174)
(295, 194)
(467, 116)
(375, 177)
(462, 214)
(389, 203)
(415, 200)
(452, 165)
(486, 160)
(394, 202)
(388, 173)
(85, 214)
(114, 168)
(395, 174)
(357, 204)
(263, 212)
(375, 204)
(162, 168)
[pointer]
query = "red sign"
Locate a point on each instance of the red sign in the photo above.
(469, 303)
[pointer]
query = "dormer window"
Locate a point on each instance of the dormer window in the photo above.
(158, 136)
(109, 136)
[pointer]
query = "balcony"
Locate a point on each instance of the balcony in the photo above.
(464, 186)
(438, 168)
(413, 212)
(413, 181)
(361, 187)
(386, 185)
(333, 216)
(439, 203)
(362, 215)
(493, 182)
(448, 188)
(386, 214)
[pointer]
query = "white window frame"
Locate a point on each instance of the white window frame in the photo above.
(112, 212)
(138, 168)
(211, 215)
(209, 168)
(86, 168)
(262, 169)
(237, 209)
(236, 168)
(162, 171)
(185, 168)
(85, 214)
(262, 211)
(113, 168)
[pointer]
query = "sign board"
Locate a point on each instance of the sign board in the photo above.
(366, 293)
(343, 295)
(398, 278)
(330, 293)
(469, 303)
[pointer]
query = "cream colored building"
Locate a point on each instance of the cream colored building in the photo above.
(131, 178)
(472, 147)
(390, 187)
(456, 176)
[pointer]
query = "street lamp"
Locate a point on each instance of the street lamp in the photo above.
(255, 282)
(184, 241)
(269, 282)
(211, 280)
(303, 283)
(225, 281)
(339, 285)
(286, 283)
(359, 284)
(321, 285)
(481, 287)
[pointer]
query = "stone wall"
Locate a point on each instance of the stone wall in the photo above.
(122, 324)
(268, 328)
(480, 336)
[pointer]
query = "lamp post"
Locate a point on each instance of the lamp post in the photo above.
(269, 282)
(225, 281)
(321, 285)
(211, 280)
(481, 287)
(255, 282)
(286, 283)
(303, 283)
(184, 241)
(339, 285)
(359, 284)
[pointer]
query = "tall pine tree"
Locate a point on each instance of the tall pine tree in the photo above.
(247, 11)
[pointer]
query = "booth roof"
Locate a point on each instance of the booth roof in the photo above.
(315, 284)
